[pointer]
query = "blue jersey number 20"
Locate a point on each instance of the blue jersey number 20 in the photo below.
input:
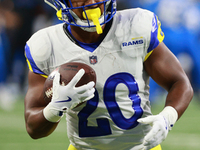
(103, 127)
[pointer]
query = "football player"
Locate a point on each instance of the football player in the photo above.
(124, 48)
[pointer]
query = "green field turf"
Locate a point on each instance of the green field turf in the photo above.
(13, 136)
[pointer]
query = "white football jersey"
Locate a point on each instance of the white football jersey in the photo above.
(109, 120)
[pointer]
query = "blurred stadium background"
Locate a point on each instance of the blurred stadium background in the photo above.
(19, 19)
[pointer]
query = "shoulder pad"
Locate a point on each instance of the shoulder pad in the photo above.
(40, 46)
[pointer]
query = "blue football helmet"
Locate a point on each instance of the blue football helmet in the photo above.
(65, 13)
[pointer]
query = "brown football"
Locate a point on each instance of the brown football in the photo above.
(67, 72)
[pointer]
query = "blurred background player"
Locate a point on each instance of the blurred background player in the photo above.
(128, 49)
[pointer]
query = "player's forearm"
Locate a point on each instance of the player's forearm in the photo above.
(36, 124)
(179, 96)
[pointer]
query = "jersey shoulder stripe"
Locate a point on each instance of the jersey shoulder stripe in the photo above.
(157, 35)
(38, 49)
(31, 64)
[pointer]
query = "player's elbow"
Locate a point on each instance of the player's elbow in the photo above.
(190, 91)
(32, 134)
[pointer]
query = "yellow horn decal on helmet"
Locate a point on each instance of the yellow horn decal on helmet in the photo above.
(59, 14)
(94, 14)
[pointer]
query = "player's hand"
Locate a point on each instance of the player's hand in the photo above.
(68, 96)
(158, 133)
(161, 125)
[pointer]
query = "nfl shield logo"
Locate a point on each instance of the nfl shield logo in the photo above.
(93, 59)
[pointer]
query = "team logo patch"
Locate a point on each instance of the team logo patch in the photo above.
(93, 59)
(134, 42)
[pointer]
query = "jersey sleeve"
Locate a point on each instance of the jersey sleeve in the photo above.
(31, 63)
(38, 51)
(157, 36)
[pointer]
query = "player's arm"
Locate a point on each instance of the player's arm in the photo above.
(36, 124)
(42, 119)
(165, 69)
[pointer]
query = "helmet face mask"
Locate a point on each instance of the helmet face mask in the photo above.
(68, 15)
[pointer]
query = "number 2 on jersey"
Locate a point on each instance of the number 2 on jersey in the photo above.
(115, 113)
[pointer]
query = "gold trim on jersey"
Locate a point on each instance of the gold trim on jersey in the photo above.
(137, 38)
(147, 56)
(71, 147)
(29, 64)
(31, 69)
(45, 76)
(160, 35)
(158, 147)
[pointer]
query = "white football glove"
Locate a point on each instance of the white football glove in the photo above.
(161, 125)
(68, 96)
